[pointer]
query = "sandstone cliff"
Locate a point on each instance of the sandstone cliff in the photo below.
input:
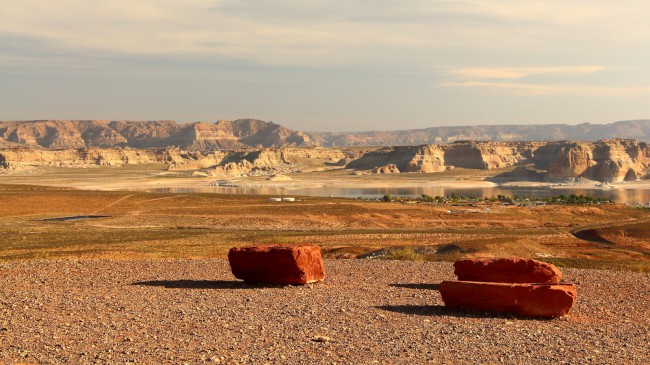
(611, 160)
(152, 134)
(638, 129)
(22, 157)
(243, 133)
(435, 158)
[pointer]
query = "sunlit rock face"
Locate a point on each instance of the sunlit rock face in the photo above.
(613, 160)
(242, 147)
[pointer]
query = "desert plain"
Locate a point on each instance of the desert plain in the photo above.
(130, 274)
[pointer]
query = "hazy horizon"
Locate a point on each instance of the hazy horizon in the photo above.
(327, 131)
(327, 66)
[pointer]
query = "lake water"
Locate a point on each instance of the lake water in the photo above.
(626, 196)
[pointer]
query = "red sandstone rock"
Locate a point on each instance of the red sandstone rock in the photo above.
(533, 300)
(507, 270)
(295, 264)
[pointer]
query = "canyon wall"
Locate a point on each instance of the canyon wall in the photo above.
(243, 133)
(612, 160)
(199, 136)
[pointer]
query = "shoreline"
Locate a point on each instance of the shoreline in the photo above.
(334, 183)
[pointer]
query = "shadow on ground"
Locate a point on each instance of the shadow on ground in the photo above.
(437, 310)
(204, 284)
(424, 286)
(441, 310)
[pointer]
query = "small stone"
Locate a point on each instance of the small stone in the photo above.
(322, 339)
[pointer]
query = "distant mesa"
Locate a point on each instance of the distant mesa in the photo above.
(250, 147)
(242, 133)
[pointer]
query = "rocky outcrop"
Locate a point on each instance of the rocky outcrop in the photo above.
(242, 133)
(405, 158)
(532, 300)
(639, 129)
(21, 158)
(613, 160)
(200, 136)
(606, 161)
(270, 161)
(295, 264)
(507, 270)
(520, 173)
(387, 169)
(488, 155)
(436, 158)
(509, 285)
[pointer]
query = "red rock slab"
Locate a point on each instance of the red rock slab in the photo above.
(274, 264)
(507, 270)
(532, 300)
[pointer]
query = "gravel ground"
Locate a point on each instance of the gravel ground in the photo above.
(367, 311)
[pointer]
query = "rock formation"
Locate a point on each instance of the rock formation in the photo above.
(509, 285)
(386, 169)
(20, 158)
(242, 133)
(532, 300)
(199, 136)
(607, 160)
(295, 264)
(612, 160)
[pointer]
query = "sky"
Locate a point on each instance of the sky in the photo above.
(327, 65)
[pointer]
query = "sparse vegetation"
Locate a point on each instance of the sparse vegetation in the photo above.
(571, 199)
(405, 253)
(159, 226)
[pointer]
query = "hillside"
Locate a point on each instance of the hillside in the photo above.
(205, 136)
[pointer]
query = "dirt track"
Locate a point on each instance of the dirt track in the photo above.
(110, 311)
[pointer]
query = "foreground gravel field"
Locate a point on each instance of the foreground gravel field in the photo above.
(367, 311)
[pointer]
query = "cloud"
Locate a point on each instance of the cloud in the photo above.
(522, 72)
(409, 33)
(550, 89)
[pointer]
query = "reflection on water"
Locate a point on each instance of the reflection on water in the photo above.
(629, 196)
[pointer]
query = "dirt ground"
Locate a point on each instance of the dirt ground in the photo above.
(365, 312)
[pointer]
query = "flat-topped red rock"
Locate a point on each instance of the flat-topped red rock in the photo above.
(507, 270)
(533, 300)
(277, 264)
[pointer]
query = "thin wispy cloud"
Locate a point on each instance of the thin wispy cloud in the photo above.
(522, 72)
(551, 89)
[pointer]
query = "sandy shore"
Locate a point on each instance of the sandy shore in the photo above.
(309, 183)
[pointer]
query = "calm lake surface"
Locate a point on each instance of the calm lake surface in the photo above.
(625, 196)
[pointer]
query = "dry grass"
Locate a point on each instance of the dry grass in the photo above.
(151, 225)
